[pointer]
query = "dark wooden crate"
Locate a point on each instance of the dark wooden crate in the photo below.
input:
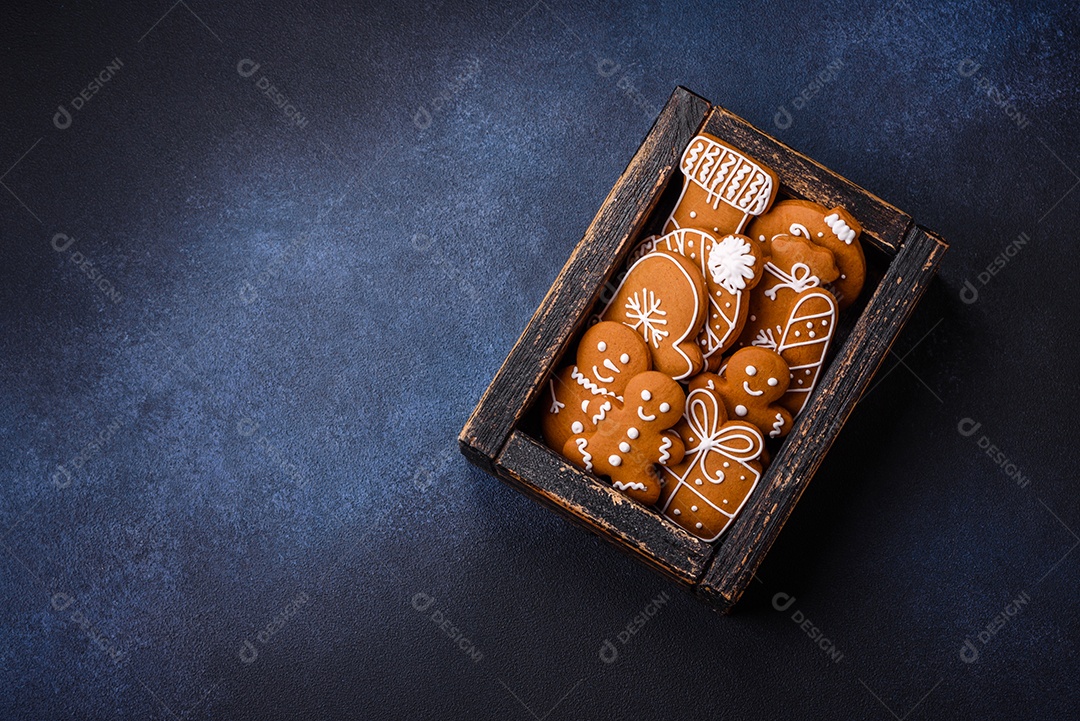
(497, 438)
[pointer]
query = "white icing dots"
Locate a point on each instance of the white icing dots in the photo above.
(665, 407)
(614, 460)
(808, 371)
(693, 508)
(632, 433)
(693, 213)
(740, 410)
(824, 323)
(646, 395)
(809, 324)
(678, 512)
(725, 500)
(751, 371)
(577, 427)
(624, 447)
(820, 234)
(761, 238)
(601, 346)
(697, 481)
(624, 358)
(727, 465)
(753, 317)
(727, 305)
(697, 525)
(811, 334)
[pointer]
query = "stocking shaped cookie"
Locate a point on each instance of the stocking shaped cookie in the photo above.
(627, 445)
(792, 314)
(833, 229)
(731, 266)
(722, 188)
(705, 492)
(579, 396)
(662, 297)
(752, 386)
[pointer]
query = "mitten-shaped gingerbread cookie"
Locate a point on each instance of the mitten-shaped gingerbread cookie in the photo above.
(662, 297)
(705, 492)
(833, 229)
(752, 385)
(792, 314)
(630, 441)
(579, 396)
(731, 266)
(722, 188)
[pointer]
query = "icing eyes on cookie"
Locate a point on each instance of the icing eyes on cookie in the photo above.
(601, 346)
(665, 407)
(773, 381)
(624, 358)
(646, 395)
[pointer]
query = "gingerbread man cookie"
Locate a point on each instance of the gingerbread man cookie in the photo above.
(722, 188)
(792, 314)
(662, 297)
(833, 229)
(705, 492)
(731, 265)
(752, 385)
(628, 444)
(608, 356)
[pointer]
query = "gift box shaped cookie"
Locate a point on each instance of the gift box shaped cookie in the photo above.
(734, 223)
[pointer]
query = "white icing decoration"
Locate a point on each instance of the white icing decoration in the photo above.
(840, 228)
(624, 447)
(624, 358)
(693, 508)
(773, 382)
(631, 484)
(614, 460)
(777, 427)
(645, 312)
(632, 433)
(604, 408)
(577, 427)
(665, 444)
(586, 457)
(697, 525)
(731, 263)
(556, 404)
(601, 346)
(646, 395)
(600, 377)
(741, 411)
(644, 417)
(589, 385)
(800, 279)
(798, 229)
(748, 391)
(677, 512)
(665, 407)
(751, 371)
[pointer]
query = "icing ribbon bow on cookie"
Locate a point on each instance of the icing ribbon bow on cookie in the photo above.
(800, 279)
(735, 443)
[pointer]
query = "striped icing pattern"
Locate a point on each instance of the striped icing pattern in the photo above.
(727, 175)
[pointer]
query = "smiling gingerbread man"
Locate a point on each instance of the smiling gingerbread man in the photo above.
(751, 387)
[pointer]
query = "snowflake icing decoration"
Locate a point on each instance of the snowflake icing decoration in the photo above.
(646, 313)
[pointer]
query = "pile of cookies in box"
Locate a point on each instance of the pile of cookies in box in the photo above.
(711, 343)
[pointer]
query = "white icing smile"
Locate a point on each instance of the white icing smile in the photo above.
(601, 378)
(644, 417)
(746, 387)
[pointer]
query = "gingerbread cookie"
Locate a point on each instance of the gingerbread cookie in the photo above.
(834, 229)
(705, 492)
(731, 265)
(752, 386)
(792, 314)
(722, 188)
(662, 297)
(608, 356)
(628, 443)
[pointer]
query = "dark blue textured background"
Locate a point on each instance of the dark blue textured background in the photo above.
(262, 483)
